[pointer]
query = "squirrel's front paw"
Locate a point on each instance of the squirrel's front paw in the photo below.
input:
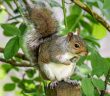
(67, 62)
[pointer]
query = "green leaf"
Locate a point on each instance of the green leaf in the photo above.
(72, 22)
(38, 79)
(15, 79)
(64, 31)
(99, 31)
(30, 73)
(84, 69)
(90, 18)
(74, 17)
(98, 83)
(74, 10)
(76, 77)
(100, 65)
(86, 25)
(9, 87)
(10, 30)
(106, 13)
(92, 40)
(22, 28)
(87, 87)
(2, 73)
(100, 4)
(81, 60)
(7, 67)
(28, 86)
(11, 47)
(106, 4)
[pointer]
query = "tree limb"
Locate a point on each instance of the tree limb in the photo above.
(106, 82)
(19, 55)
(15, 63)
(92, 13)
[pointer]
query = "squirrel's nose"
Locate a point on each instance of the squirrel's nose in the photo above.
(85, 53)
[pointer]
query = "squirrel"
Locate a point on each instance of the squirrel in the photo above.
(55, 55)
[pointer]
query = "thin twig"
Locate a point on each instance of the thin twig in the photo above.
(106, 82)
(15, 63)
(8, 13)
(20, 10)
(68, 2)
(19, 55)
(64, 12)
(6, 9)
(92, 13)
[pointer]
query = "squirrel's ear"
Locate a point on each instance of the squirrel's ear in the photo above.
(77, 32)
(70, 36)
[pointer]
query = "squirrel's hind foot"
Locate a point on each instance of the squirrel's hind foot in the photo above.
(73, 82)
(53, 84)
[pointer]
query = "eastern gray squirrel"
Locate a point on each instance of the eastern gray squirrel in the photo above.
(55, 55)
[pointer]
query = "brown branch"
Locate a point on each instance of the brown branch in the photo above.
(15, 63)
(19, 55)
(92, 13)
(103, 92)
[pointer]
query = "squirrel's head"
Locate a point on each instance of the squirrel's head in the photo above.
(76, 44)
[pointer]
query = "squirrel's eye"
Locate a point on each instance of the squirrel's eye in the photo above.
(77, 45)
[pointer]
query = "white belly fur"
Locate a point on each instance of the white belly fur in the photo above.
(58, 71)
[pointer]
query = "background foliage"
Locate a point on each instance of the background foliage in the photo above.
(30, 84)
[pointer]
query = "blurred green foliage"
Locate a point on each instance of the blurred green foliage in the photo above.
(91, 31)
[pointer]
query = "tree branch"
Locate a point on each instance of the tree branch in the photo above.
(15, 63)
(19, 55)
(106, 82)
(92, 13)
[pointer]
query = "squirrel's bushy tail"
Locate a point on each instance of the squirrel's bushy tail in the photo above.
(41, 24)
(42, 18)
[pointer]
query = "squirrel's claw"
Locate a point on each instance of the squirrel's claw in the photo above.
(73, 82)
(53, 84)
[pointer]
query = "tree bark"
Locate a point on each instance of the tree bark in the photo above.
(64, 89)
